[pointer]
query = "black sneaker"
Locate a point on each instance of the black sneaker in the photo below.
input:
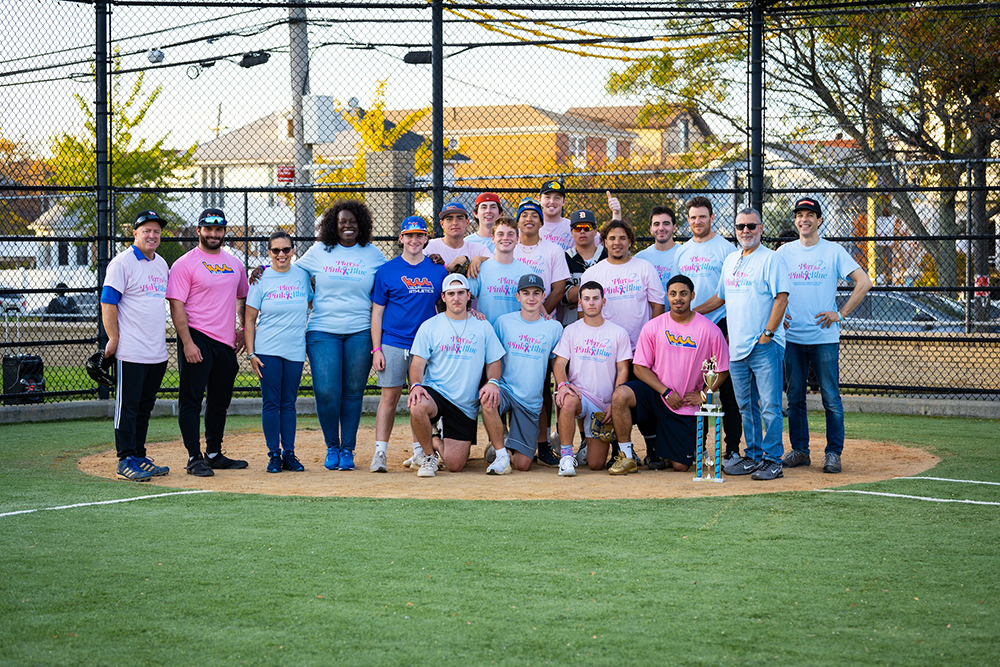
(199, 468)
(768, 470)
(546, 456)
(795, 458)
(291, 462)
(222, 462)
(831, 463)
(654, 462)
(743, 466)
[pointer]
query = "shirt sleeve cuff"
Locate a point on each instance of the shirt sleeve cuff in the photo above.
(110, 295)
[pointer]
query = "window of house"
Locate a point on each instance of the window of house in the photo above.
(685, 136)
(82, 255)
(612, 151)
(63, 253)
(578, 151)
(213, 177)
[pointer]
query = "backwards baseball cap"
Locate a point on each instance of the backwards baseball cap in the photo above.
(530, 280)
(413, 225)
(808, 204)
(148, 216)
(212, 217)
(582, 217)
(453, 207)
(553, 186)
(488, 196)
(451, 279)
(528, 204)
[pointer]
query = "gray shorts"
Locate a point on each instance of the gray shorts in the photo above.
(523, 434)
(397, 367)
(587, 410)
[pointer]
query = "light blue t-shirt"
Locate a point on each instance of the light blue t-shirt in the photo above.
(495, 288)
(283, 301)
(702, 263)
(456, 352)
(344, 278)
(481, 240)
(528, 347)
(749, 285)
(662, 260)
(814, 273)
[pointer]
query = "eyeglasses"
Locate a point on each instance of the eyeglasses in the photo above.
(212, 220)
(583, 228)
(752, 226)
(287, 250)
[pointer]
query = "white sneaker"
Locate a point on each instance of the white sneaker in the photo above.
(490, 454)
(581, 454)
(378, 463)
(567, 466)
(414, 462)
(428, 467)
(500, 466)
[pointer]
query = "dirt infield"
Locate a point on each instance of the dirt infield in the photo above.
(863, 462)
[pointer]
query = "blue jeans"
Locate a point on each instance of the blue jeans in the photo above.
(340, 364)
(825, 360)
(757, 381)
(279, 387)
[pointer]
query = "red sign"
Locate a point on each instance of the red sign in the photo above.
(286, 174)
(982, 281)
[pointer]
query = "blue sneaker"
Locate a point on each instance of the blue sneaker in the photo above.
(273, 462)
(147, 464)
(346, 459)
(332, 458)
(290, 462)
(129, 469)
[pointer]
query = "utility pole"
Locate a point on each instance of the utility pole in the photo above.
(305, 207)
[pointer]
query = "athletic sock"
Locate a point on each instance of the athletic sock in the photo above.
(502, 453)
(626, 449)
(418, 450)
(381, 446)
(212, 455)
(565, 450)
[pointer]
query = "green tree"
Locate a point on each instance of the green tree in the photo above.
(135, 162)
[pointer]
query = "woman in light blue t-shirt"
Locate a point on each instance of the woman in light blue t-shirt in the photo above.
(338, 338)
(277, 310)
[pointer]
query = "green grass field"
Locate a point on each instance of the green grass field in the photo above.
(790, 578)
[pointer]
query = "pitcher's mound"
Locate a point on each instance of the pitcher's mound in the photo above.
(863, 461)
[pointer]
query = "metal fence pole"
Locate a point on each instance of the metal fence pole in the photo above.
(102, 115)
(757, 104)
(437, 112)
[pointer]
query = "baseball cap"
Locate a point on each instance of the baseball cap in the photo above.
(553, 186)
(453, 207)
(530, 280)
(212, 217)
(529, 204)
(148, 216)
(582, 217)
(808, 204)
(488, 196)
(454, 278)
(414, 224)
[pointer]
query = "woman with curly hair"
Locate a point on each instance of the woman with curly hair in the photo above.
(338, 336)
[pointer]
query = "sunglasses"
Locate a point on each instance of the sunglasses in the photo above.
(212, 220)
(583, 228)
(752, 226)
(287, 250)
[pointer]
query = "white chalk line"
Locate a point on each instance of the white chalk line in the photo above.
(947, 479)
(107, 502)
(900, 495)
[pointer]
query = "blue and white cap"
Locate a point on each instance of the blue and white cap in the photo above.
(413, 225)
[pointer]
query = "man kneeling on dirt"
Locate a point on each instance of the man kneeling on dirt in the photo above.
(668, 362)
(448, 355)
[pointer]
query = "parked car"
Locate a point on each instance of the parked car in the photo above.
(86, 303)
(905, 312)
(13, 302)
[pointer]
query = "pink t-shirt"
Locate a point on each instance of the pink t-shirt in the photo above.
(544, 259)
(142, 316)
(675, 353)
(558, 233)
(593, 353)
(629, 289)
(469, 248)
(208, 286)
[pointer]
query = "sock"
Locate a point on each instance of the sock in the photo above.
(565, 450)
(418, 450)
(190, 458)
(212, 455)
(502, 453)
(626, 449)
(381, 446)
(650, 446)
(543, 445)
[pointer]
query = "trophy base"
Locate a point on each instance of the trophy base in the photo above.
(714, 411)
(717, 480)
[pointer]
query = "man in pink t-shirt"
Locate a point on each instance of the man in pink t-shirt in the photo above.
(591, 360)
(668, 362)
(207, 291)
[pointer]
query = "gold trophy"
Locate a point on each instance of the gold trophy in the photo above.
(709, 409)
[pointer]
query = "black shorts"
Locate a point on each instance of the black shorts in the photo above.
(456, 424)
(675, 434)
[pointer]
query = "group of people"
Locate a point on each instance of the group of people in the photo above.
(528, 315)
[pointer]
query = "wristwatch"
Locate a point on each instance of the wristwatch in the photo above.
(250, 355)
(768, 333)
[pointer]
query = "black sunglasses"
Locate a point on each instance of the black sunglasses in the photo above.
(287, 250)
(752, 226)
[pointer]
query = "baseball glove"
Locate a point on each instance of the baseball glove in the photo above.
(97, 368)
(603, 432)
(463, 268)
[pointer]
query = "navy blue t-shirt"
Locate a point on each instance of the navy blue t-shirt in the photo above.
(408, 293)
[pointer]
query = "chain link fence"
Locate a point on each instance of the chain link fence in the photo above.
(888, 114)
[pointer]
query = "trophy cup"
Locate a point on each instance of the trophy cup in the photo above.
(709, 410)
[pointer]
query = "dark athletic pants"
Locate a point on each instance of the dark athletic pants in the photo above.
(732, 422)
(135, 396)
(215, 373)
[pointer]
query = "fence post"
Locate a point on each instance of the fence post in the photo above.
(757, 104)
(101, 116)
(437, 110)
(305, 207)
